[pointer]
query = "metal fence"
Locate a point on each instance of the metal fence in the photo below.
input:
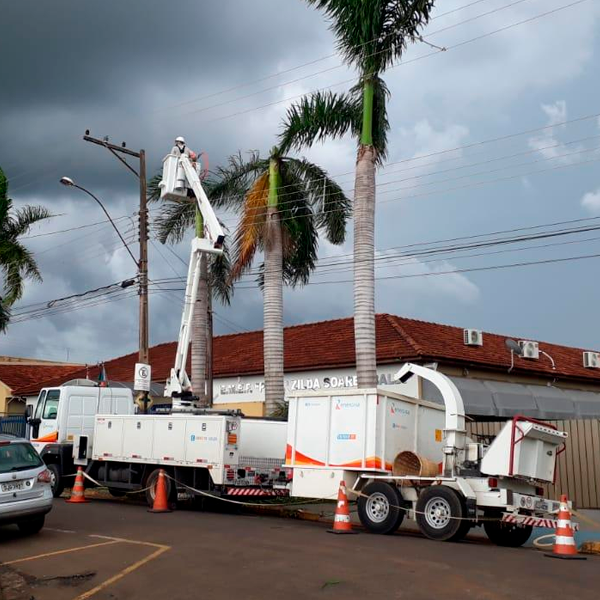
(578, 473)
(13, 424)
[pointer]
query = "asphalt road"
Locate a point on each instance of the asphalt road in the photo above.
(186, 555)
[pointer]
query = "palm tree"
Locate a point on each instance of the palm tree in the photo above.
(17, 263)
(175, 219)
(371, 35)
(283, 203)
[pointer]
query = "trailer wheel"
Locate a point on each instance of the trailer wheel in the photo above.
(377, 508)
(508, 535)
(56, 481)
(151, 491)
(440, 511)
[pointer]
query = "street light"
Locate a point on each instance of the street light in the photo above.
(67, 181)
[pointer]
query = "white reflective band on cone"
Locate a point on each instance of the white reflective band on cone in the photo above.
(564, 523)
(561, 540)
(341, 519)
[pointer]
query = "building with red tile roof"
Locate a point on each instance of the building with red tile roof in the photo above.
(315, 352)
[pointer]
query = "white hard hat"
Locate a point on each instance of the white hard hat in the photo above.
(180, 139)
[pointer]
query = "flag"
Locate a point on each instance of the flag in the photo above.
(102, 378)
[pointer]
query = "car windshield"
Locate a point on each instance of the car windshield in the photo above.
(18, 457)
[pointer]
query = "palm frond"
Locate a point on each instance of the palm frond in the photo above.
(24, 218)
(372, 34)
(174, 219)
(4, 316)
(251, 227)
(318, 116)
(331, 207)
(235, 180)
(153, 189)
(17, 263)
(219, 275)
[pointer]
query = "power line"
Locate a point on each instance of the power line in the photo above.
(413, 60)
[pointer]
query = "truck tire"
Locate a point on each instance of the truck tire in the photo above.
(508, 535)
(117, 493)
(377, 508)
(151, 485)
(440, 511)
(56, 481)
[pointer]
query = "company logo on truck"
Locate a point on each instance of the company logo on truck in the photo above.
(339, 405)
(346, 436)
(395, 410)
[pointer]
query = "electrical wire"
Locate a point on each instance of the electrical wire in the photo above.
(404, 63)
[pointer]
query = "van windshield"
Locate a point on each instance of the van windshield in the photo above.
(18, 456)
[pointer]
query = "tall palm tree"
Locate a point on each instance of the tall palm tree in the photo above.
(16, 261)
(371, 35)
(283, 203)
(175, 219)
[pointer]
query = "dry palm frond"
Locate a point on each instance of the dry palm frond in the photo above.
(250, 229)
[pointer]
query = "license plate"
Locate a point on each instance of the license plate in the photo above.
(13, 487)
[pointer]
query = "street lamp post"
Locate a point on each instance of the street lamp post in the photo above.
(67, 181)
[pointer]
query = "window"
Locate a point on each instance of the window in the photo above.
(18, 457)
(40, 403)
(51, 404)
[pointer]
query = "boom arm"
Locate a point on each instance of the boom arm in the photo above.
(178, 176)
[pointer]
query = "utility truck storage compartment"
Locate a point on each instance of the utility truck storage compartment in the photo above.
(353, 430)
(181, 440)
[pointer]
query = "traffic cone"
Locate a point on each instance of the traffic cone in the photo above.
(564, 542)
(161, 503)
(341, 521)
(78, 491)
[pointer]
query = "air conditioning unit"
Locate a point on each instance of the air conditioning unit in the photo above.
(473, 337)
(591, 360)
(529, 349)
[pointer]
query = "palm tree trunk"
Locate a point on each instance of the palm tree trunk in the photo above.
(364, 249)
(273, 299)
(199, 325)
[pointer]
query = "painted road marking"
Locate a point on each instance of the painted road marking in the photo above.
(57, 552)
(160, 549)
(124, 572)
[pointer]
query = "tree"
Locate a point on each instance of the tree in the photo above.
(284, 203)
(371, 35)
(175, 219)
(16, 261)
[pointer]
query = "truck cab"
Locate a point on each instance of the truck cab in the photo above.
(65, 414)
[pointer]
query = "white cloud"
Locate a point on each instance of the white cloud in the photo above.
(591, 201)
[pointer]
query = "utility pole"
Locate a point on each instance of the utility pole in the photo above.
(117, 151)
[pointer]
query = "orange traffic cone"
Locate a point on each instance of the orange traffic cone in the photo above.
(341, 521)
(78, 491)
(161, 504)
(564, 542)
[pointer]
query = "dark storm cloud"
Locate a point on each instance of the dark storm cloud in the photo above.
(115, 67)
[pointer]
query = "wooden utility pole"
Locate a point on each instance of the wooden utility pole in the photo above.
(117, 151)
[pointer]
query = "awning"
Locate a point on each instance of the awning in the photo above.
(484, 398)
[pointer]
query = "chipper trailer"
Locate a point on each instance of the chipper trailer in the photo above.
(365, 437)
(97, 427)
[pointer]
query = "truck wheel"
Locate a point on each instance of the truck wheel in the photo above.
(56, 481)
(508, 535)
(439, 513)
(151, 491)
(377, 508)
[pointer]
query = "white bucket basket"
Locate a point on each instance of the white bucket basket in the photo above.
(174, 184)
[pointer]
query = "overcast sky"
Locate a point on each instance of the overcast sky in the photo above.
(147, 71)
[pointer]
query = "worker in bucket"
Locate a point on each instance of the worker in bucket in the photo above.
(180, 149)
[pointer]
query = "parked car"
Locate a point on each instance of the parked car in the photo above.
(25, 490)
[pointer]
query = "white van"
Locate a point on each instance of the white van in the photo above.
(63, 414)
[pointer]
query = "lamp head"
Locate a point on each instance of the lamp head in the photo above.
(67, 181)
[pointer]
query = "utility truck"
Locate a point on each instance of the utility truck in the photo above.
(362, 437)
(98, 428)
